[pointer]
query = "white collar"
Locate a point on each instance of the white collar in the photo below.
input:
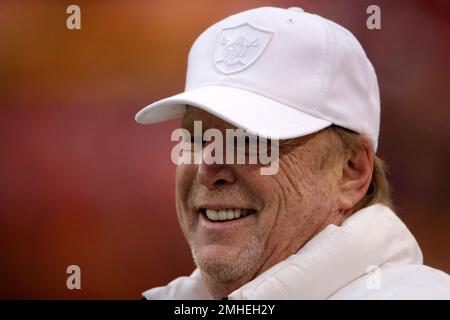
(373, 236)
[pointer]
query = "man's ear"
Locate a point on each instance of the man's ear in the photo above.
(357, 169)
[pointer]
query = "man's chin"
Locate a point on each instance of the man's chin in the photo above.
(224, 263)
(216, 257)
(220, 270)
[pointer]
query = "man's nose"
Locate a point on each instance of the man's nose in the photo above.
(215, 175)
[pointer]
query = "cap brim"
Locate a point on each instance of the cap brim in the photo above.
(252, 112)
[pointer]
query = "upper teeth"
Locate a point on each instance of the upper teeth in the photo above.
(226, 214)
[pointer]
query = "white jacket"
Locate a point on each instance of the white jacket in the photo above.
(372, 255)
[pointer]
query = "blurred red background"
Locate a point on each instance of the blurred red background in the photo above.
(81, 183)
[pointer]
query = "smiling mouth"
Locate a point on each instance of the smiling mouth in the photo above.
(224, 215)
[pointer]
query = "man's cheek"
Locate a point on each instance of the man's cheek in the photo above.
(183, 180)
(185, 176)
(184, 171)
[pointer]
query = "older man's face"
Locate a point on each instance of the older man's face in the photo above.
(284, 210)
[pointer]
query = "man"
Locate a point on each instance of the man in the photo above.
(321, 226)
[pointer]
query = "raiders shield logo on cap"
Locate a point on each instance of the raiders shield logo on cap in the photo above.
(238, 47)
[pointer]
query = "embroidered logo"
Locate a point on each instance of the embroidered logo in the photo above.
(238, 47)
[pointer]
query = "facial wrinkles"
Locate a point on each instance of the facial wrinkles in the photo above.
(277, 205)
(284, 194)
(302, 162)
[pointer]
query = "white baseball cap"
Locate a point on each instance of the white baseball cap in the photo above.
(280, 74)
